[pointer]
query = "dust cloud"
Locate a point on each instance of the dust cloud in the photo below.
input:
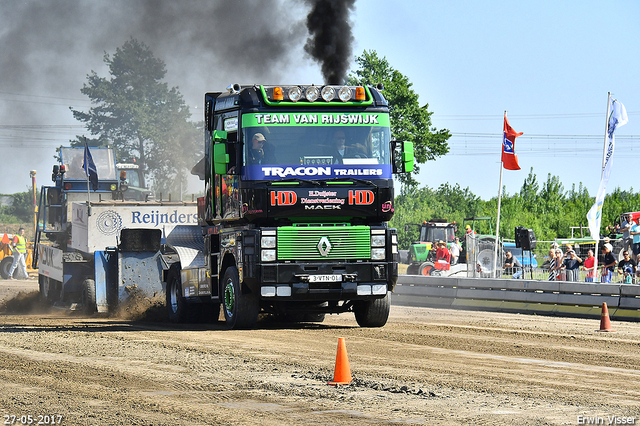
(50, 47)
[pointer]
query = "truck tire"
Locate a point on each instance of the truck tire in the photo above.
(88, 298)
(176, 305)
(43, 286)
(5, 267)
(373, 313)
(240, 309)
(49, 289)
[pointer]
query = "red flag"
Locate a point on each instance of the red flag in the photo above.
(509, 157)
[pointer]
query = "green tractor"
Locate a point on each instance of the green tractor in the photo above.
(422, 253)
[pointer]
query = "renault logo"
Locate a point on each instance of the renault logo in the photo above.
(324, 246)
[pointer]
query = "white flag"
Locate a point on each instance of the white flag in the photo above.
(618, 117)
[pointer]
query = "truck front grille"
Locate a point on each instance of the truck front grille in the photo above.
(324, 242)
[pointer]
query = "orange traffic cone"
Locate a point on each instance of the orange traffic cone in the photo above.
(605, 323)
(5, 239)
(342, 373)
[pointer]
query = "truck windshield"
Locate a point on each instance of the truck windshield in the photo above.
(313, 145)
(73, 159)
(133, 179)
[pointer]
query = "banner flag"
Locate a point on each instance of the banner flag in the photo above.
(618, 117)
(509, 157)
(90, 167)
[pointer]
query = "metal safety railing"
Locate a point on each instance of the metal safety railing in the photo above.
(520, 295)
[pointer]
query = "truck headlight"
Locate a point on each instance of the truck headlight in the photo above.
(268, 242)
(377, 254)
(378, 241)
(268, 255)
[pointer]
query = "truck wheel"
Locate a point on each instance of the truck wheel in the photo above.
(43, 286)
(240, 310)
(373, 313)
(5, 267)
(88, 297)
(425, 268)
(176, 305)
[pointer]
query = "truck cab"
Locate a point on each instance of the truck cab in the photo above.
(298, 193)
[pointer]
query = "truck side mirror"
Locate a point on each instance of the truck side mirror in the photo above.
(402, 156)
(220, 156)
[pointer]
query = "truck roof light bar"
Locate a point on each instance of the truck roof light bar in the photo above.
(278, 94)
(345, 94)
(312, 93)
(328, 93)
(295, 94)
(307, 95)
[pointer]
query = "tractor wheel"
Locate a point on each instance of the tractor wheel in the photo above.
(372, 313)
(425, 268)
(5, 267)
(240, 309)
(88, 297)
(412, 269)
(176, 305)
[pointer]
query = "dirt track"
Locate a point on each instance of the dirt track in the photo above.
(427, 366)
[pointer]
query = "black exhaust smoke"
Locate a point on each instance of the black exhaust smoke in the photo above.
(330, 37)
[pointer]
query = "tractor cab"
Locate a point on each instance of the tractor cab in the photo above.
(422, 253)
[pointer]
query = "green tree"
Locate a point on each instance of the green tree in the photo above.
(137, 114)
(409, 120)
(18, 208)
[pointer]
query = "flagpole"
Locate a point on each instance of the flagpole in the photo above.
(604, 159)
(86, 172)
(495, 257)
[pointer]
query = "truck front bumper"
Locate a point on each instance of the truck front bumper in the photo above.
(325, 281)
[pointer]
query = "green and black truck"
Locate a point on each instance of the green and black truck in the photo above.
(298, 195)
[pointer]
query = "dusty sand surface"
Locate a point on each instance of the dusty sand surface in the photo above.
(426, 366)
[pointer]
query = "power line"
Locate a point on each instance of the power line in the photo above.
(538, 136)
(494, 117)
(42, 96)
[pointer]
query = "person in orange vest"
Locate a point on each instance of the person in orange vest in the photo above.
(19, 248)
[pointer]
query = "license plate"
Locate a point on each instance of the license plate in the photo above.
(324, 278)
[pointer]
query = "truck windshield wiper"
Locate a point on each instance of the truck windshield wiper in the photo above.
(353, 179)
(312, 182)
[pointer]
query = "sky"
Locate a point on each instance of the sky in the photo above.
(548, 64)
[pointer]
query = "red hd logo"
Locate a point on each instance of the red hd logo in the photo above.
(360, 197)
(283, 198)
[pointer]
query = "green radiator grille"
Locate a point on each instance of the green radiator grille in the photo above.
(323, 242)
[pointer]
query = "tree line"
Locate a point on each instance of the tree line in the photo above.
(546, 207)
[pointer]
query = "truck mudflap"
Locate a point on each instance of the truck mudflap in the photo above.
(188, 242)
